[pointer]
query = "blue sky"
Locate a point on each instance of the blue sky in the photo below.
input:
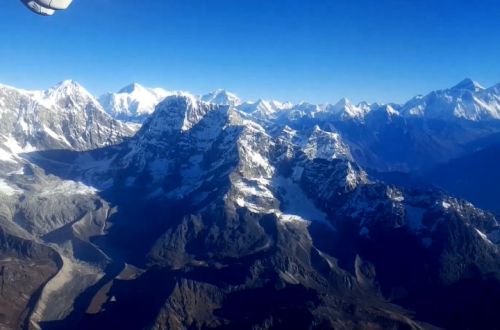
(313, 50)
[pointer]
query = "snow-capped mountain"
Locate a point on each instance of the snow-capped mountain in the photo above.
(318, 144)
(33, 202)
(344, 109)
(133, 103)
(392, 137)
(263, 110)
(64, 117)
(467, 100)
(221, 97)
(371, 130)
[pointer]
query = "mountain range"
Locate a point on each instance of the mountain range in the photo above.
(467, 100)
(148, 209)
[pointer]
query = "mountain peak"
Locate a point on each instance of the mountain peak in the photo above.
(387, 109)
(130, 88)
(222, 97)
(185, 99)
(66, 84)
(468, 84)
(220, 91)
(68, 88)
(343, 102)
(341, 106)
(133, 102)
(346, 109)
(178, 112)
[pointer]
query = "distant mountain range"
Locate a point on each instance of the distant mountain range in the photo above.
(467, 100)
(166, 210)
(421, 133)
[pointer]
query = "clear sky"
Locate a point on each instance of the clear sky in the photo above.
(313, 50)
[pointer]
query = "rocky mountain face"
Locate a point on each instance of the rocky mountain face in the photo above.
(418, 135)
(135, 103)
(38, 210)
(429, 130)
(63, 117)
(412, 140)
(242, 216)
(215, 211)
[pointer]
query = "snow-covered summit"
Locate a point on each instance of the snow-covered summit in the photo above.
(221, 97)
(67, 94)
(386, 109)
(326, 145)
(467, 100)
(468, 84)
(133, 102)
(345, 109)
(178, 113)
(66, 116)
(264, 109)
(65, 88)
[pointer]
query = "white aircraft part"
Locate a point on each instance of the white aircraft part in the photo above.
(37, 8)
(55, 4)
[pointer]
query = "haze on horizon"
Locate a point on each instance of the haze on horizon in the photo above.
(318, 51)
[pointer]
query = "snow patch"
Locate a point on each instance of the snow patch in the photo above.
(395, 195)
(6, 156)
(69, 188)
(295, 205)
(484, 237)
(445, 205)
(8, 190)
